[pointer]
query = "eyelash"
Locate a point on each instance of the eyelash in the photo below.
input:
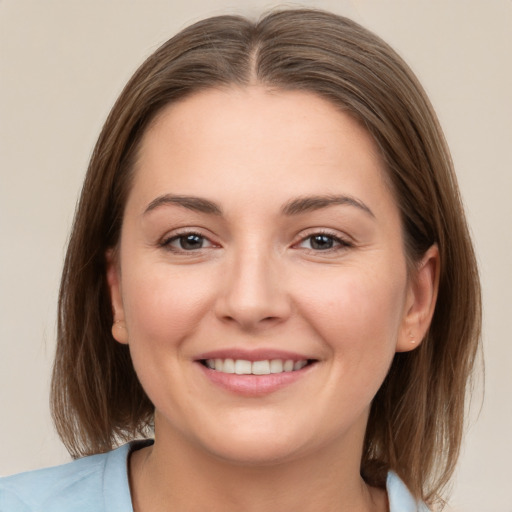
(339, 243)
(167, 242)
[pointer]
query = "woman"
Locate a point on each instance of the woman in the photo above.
(271, 267)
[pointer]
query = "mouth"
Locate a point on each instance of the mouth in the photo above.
(256, 372)
(260, 367)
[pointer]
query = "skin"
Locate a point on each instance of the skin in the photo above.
(256, 280)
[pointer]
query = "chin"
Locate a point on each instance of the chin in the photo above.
(254, 452)
(263, 444)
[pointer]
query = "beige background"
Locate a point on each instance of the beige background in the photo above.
(63, 63)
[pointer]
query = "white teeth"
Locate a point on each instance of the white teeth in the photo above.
(243, 367)
(276, 366)
(299, 364)
(261, 367)
(229, 366)
(264, 367)
(288, 365)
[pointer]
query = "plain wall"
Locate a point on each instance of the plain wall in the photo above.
(62, 65)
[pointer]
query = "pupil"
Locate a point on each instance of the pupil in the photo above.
(321, 242)
(189, 242)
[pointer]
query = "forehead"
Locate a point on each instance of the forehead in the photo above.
(249, 139)
(265, 114)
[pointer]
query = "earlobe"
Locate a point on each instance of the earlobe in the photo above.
(421, 301)
(119, 331)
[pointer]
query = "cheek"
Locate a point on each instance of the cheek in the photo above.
(164, 308)
(164, 304)
(358, 318)
(357, 311)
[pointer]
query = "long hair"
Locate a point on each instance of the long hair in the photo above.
(416, 418)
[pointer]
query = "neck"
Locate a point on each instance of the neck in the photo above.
(174, 475)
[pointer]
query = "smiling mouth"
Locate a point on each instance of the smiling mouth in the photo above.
(263, 367)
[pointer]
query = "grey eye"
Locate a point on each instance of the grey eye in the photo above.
(188, 242)
(320, 242)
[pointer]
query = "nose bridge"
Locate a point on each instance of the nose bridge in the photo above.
(254, 292)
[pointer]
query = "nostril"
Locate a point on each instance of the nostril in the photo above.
(252, 296)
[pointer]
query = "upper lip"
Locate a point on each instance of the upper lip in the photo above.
(261, 354)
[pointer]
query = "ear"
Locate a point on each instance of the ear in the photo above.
(420, 301)
(119, 331)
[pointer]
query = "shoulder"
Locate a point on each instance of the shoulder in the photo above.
(400, 498)
(79, 486)
(36, 490)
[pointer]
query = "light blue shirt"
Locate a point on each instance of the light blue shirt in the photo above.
(99, 483)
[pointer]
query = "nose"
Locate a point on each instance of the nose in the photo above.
(253, 293)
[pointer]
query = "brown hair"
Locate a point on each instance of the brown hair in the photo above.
(416, 419)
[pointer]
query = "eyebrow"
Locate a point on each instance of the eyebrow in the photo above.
(197, 204)
(294, 207)
(311, 203)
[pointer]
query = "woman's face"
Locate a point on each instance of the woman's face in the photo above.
(260, 236)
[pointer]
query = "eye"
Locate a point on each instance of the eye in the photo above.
(187, 242)
(323, 242)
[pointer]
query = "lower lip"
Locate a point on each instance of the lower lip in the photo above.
(254, 385)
